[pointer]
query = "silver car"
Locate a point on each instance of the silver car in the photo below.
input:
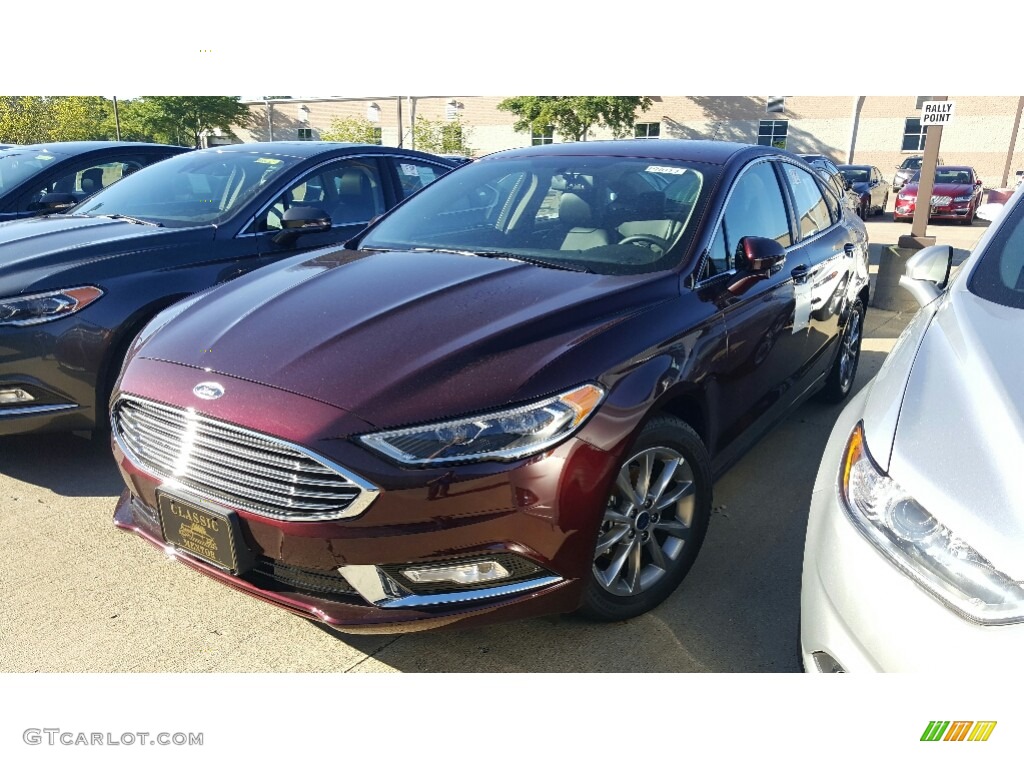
(905, 171)
(913, 556)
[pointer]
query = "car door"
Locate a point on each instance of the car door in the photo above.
(826, 246)
(766, 323)
(351, 191)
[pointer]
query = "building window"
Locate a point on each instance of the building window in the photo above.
(547, 136)
(913, 135)
(919, 104)
(305, 134)
(647, 130)
(772, 133)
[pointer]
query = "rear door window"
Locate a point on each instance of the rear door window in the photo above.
(812, 212)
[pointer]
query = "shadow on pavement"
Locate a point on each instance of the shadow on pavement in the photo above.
(67, 465)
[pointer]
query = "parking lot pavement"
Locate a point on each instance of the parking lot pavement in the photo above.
(77, 595)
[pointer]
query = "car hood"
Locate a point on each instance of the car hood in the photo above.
(960, 435)
(400, 337)
(860, 187)
(33, 250)
(950, 190)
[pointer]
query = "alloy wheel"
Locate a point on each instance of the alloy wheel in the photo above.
(850, 350)
(647, 523)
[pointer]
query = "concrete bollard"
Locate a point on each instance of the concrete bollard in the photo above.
(888, 295)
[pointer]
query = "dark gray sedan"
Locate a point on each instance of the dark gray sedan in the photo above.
(76, 288)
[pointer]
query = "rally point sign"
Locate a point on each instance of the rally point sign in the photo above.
(937, 112)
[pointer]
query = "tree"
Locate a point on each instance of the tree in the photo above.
(184, 119)
(442, 137)
(357, 129)
(574, 116)
(37, 119)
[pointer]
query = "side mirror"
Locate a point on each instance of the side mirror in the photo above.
(927, 273)
(54, 202)
(990, 211)
(756, 258)
(301, 220)
(977, 182)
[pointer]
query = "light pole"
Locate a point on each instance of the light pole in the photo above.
(117, 120)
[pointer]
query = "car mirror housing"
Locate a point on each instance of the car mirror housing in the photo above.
(756, 258)
(927, 273)
(990, 211)
(300, 220)
(54, 202)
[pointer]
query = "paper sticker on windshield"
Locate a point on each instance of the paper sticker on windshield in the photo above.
(410, 170)
(664, 169)
(268, 160)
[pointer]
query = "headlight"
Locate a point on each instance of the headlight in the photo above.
(922, 547)
(43, 307)
(502, 435)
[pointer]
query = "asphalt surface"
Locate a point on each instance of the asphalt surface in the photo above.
(78, 595)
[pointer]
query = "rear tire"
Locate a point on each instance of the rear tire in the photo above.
(840, 379)
(655, 520)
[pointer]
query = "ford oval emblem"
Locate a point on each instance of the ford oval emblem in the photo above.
(208, 390)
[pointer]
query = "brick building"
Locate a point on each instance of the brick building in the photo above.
(986, 131)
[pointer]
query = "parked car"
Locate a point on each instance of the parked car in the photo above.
(840, 185)
(956, 195)
(48, 178)
(912, 558)
(509, 396)
(76, 288)
(906, 170)
(872, 190)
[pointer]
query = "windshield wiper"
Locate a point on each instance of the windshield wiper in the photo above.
(132, 219)
(510, 256)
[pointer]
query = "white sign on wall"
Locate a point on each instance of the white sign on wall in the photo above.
(937, 113)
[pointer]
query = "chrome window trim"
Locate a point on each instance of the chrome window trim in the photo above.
(368, 492)
(252, 219)
(30, 410)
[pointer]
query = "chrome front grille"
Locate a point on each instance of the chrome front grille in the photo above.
(236, 466)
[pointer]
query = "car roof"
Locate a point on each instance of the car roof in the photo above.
(953, 168)
(313, 148)
(78, 147)
(858, 167)
(703, 151)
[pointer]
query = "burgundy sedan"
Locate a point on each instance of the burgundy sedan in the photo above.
(956, 195)
(508, 397)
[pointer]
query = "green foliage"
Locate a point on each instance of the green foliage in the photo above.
(357, 129)
(184, 119)
(38, 119)
(442, 137)
(574, 116)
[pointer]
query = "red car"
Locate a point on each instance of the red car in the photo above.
(956, 195)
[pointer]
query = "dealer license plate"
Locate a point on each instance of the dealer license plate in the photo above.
(198, 531)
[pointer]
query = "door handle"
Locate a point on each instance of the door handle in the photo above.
(800, 273)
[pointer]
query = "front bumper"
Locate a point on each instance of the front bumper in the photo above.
(543, 511)
(955, 211)
(859, 610)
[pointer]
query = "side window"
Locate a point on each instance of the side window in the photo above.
(755, 209)
(835, 208)
(413, 174)
(350, 192)
(812, 212)
(87, 179)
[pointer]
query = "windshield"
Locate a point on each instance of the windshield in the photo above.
(999, 275)
(610, 215)
(857, 175)
(912, 163)
(15, 167)
(205, 187)
(948, 176)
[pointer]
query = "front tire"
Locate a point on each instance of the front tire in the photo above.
(655, 520)
(839, 383)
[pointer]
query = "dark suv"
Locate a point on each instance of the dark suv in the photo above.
(509, 396)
